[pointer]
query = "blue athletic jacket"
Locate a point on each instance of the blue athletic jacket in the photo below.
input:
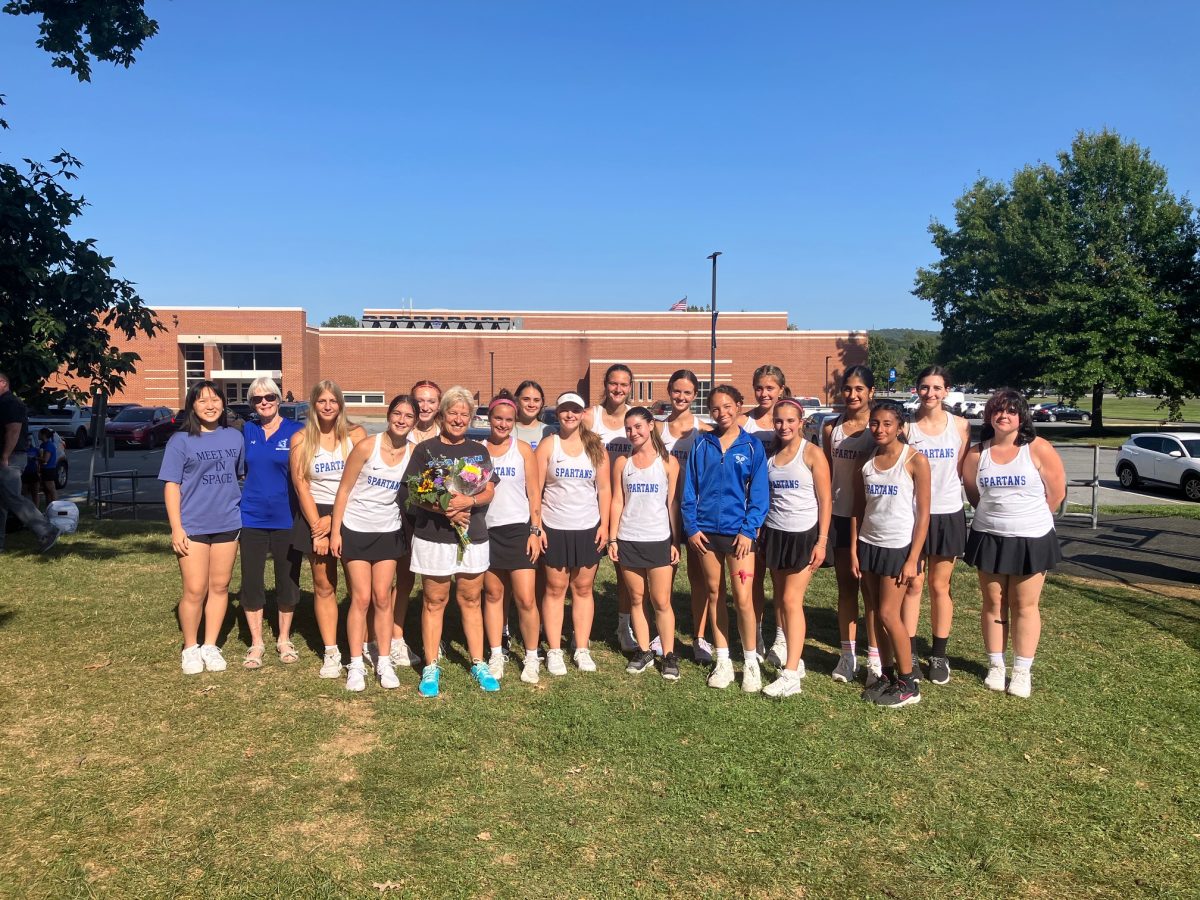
(725, 493)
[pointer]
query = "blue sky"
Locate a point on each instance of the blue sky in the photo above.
(583, 155)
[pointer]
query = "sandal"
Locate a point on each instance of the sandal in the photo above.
(287, 651)
(254, 657)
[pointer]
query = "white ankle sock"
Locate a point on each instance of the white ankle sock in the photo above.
(996, 659)
(1023, 662)
(721, 652)
(531, 656)
(780, 637)
(497, 651)
(356, 662)
(331, 648)
(750, 656)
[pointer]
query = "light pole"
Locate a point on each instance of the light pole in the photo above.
(712, 366)
(492, 366)
(827, 359)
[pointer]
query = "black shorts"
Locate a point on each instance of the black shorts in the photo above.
(376, 546)
(839, 527)
(571, 549)
(217, 537)
(644, 554)
(510, 547)
(723, 543)
(787, 550)
(947, 535)
(301, 533)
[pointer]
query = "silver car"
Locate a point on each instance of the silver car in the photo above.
(1164, 457)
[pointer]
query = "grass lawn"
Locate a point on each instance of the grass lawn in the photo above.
(1128, 409)
(124, 778)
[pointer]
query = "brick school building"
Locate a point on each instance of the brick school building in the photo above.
(482, 350)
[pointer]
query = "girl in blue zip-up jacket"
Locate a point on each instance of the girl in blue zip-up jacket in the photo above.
(725, 499)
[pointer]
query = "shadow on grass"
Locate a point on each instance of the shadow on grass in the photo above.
(1171, 615)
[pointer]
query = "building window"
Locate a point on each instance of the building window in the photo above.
(252, 357)
(193, 363)
(645, 391)
(700, 404)
(364, 398)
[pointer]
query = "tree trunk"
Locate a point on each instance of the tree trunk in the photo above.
(1097, 407)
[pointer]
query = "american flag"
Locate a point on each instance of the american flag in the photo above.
(679, 306)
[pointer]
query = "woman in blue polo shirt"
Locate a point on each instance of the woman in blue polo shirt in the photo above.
(267, 523)
(200, 470)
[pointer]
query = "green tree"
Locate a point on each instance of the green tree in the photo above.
(882, 355)
(340, 321)
(58, 295)
(1084, 276)
(920, 354)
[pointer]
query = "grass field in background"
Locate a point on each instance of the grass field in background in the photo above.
(1128, 409)
(123, 778)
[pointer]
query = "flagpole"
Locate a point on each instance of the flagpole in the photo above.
(712, 367)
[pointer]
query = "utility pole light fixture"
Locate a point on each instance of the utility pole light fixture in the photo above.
(712, 367)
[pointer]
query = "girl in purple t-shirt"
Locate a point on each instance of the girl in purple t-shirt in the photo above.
(200, 471)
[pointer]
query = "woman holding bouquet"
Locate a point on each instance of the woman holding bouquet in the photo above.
(438, 551)
(367, 535)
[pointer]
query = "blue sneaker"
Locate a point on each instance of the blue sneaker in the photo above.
(431, 676)
(481, 673)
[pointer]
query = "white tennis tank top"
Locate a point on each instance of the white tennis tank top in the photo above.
(510, 505)
(846, 452)
(372, 506)
(679, 447)
(793, 497)
(1012, 497)
(569, 500)
(646, 515)
(613, 439)
(530, 434)
(889, 515)
(942, 450)
(326, 473)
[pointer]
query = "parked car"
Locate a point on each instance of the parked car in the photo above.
(973, 409)
(245, 410)
(1060, 412)
(146, 426)
(231, 416)
(297, 410)
(112, 410)
(1164, 457)
(73, 423)
(62, 469)
(814, 426)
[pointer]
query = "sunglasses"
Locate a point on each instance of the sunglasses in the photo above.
(265, 398)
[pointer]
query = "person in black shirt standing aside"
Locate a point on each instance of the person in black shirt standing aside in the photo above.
(14, 439)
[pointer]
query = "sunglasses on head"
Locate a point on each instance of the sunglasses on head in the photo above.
(265, 398)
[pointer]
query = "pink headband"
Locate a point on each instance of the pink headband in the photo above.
(500, 400)
(791, 402)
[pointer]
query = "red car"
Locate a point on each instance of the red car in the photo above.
(146, 426)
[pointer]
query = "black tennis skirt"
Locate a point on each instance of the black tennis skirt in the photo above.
(723, 543)
(1008, 555)
(301, 533)
(373, 546)
(510, 547)
(787, 549)
(883, 561)
(947, 535)
(644, 554)
(839, 527)
(571, 549)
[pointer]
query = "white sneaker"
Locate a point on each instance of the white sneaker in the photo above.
(496, 664)
(801, 671)
(777, 655)
(656, 645)
(625, 639)
(584, 661)
(356, 679)
(193, 663)
(386, 673)
(1021, 683)
(846, 669)
(785, 685)
(331, 667)
(213, 660)
(702, 652)
(722, 674)
(995, 678)
(751, 677)
(529, 671)
(555, 664)
(404, 655)
(874, 671)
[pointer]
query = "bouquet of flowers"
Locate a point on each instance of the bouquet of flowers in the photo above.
(441, 480)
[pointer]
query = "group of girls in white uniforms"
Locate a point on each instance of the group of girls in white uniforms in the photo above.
(880, 499)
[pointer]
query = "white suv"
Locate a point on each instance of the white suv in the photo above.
(1167, 457)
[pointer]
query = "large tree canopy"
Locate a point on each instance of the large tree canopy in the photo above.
(59, 299)
(1083, 276)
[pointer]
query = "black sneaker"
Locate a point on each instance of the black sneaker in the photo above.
(916, 668)
(881, 685)
(47, 542)
(642, 660)
(670, 667)
(901, 693)
(939, 670)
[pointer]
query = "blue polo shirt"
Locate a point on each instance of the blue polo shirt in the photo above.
(265, 493)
